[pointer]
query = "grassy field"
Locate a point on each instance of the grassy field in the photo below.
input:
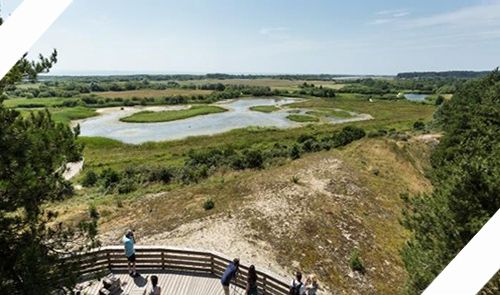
(142, 93)
(280, 84)
(329, 113)
(399, 114)
(264, 109)
(44, 101)
(302, 118)
(165, 116)
(64, 115)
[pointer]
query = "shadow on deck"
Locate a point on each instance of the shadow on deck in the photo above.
(171, 282)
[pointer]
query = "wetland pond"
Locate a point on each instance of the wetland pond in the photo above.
(416, 96)
(239, 115)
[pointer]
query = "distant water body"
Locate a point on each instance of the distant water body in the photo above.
(416, 97)
(238, 115)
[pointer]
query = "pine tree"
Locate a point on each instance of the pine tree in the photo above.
(466, 181)
(32, 151)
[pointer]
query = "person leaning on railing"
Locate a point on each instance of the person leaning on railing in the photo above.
(229, 274)
(251, 288)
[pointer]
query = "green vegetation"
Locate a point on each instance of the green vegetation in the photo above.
(313, 90)
(302, 118)
(355, 262)
(264, 109)
(34, 148)
(329, 113)
(208, 204)
(465, 174)
(66, 115)
(34, 102)
(200, 163)
(165, 116)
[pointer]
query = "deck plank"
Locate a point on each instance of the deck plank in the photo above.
(179, 283)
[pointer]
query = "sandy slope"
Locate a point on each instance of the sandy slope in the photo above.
(342, 200)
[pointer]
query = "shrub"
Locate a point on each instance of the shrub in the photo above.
(439, 100)
(90, 179)
(208, 204)
(378, 133)
(164, 175)
(253, 158)
(3, 97)
(93, 213)
(126, 186)
(311, 145)
(303, 137)
(69, 103)
(295, 152)
(190, 173)
(419, 125)
(347, 135)
(355, 262)
(109, 177)
(295, 179)
(237, 162)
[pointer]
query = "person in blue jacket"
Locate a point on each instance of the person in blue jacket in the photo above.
(229, 274)
(128, 242)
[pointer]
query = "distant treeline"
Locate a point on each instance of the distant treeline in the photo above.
(443, 75)
(187, 77)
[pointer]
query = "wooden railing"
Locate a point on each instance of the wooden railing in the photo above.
(152, 258)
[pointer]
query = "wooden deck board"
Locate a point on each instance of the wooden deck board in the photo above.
(179, 283)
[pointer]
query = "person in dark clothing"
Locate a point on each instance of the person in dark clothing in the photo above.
(297, 287)
(251, 288)
(229, 274)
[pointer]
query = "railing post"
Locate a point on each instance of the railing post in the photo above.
(212, 266)
(162, 259)
(108, 257)
(264, 284)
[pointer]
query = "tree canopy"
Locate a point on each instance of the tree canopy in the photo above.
(465, 176)
(34, 151)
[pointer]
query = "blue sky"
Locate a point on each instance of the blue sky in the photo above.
(273, 36)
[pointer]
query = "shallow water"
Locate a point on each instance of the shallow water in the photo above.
(238, 116)
(416, 97)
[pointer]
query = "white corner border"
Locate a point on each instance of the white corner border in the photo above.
(474, 266)
(24, 27)
(466, 274)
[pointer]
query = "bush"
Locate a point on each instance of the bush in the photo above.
(208, 204)
(348, 135)
(164, 175)
(109, 177)
(295, 152)
(126, 186)
(93, 213)
(419, 125)
(355, 262)
(3, 97)
(90, 179)
(253, 158)
(303, 137)
(378, 133)
(439, 100)
(237, 162)
(311, 145)
(69, 103)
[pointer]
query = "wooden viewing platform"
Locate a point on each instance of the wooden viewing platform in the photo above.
(180, 271)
